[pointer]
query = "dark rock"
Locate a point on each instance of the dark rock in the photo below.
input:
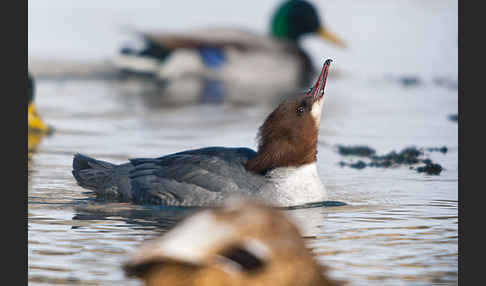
(442, 149)
(446, 82)
(363, 151)
(408, 156)
(358, 165)
(430, 168)
(410, 81)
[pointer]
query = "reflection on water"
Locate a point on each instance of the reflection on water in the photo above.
(398, 227)
(197, 91)
(33, 140)
(430, 241)
(213, 91)
(161, 218)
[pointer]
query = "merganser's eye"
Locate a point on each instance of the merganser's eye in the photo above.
(300, 109)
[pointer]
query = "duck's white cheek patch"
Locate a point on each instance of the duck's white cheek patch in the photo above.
(257, 248)
(195, 238)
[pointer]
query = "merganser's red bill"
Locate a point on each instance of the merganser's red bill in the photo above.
(317, 91)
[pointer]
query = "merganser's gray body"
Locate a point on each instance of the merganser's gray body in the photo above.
(191, 178)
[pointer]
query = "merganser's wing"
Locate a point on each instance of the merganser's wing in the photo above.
(199, 177)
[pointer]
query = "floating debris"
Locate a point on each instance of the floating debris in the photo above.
(408, 156)
(358, 165)
(410, 81)
(430, 168)
(442, 149)
(356, 151)
(446, 82)
(405, 80)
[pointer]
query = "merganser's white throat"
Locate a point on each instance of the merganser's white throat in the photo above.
(292, 186)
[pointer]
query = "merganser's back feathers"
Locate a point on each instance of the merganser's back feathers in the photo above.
(195, 177)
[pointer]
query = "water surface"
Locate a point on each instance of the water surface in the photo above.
(399, 227)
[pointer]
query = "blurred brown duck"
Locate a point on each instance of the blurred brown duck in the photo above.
(243, 243)
(234, 55)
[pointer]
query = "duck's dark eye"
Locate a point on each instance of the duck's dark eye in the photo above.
(300, 109)
(244, 258)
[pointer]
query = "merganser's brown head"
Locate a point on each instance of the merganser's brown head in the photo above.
(288, 137)
(243, 243)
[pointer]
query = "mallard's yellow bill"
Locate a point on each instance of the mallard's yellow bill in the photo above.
(327, 35)
(34, 120)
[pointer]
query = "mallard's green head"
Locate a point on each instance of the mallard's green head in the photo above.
(296, 18)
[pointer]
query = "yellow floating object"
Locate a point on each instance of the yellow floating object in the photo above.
(35, 121)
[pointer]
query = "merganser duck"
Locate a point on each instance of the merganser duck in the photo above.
(233, 54)
(243, 243)
(282, 173)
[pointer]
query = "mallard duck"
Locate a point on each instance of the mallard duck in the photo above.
(243, 243)
(236, 55)
(35, 123)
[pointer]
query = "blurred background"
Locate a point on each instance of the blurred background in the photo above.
(404, 37)
(392, 87)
